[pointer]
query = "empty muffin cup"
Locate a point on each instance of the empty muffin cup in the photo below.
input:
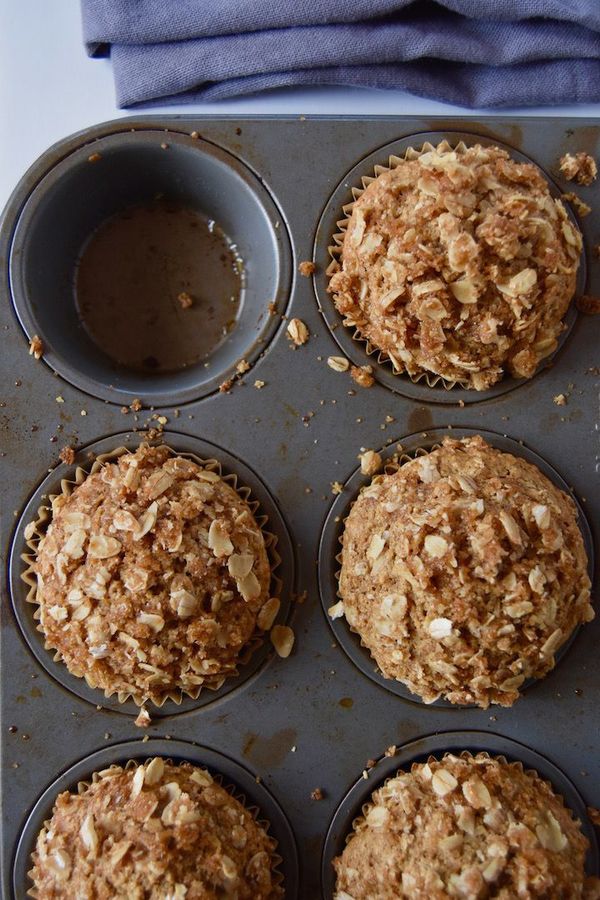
(146, 262)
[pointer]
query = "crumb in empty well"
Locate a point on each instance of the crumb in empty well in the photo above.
(306, 268)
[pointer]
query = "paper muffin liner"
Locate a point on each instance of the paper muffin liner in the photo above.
(232, 790)
(392, 465)
(384, 357)
(37, 529)
(359, 821)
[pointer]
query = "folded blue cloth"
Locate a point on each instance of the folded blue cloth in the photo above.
(477, 53)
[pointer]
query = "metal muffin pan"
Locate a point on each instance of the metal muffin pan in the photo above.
(314, 719)
(330, 548)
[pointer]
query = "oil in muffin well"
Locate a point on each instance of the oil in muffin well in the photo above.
(158, 287)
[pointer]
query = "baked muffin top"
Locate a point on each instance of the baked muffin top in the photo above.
(459, 263)
(467, 827)
(152, 832)
(151, 576)
(463, 572)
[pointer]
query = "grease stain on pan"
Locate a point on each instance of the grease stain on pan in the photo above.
(269, 752)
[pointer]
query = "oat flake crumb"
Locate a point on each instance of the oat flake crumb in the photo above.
(297, 332)
(67, 455)
(363, 376)
(370, 462)
(560, 400)
(185, 300)
(135, 405)
(36, 347)
(338, 363)
(242, 366)
(226, 386)
(258, 384)
(579, 167)
(317, 794)
(582, 209)
(143, 718)
(336, 487)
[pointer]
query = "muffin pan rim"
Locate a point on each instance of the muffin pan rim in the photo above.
(345, 337)
(437, 744)
(331, 533)
(221, 763)
(208, 699)
(24, 205)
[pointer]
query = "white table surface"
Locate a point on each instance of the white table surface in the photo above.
(49, 88)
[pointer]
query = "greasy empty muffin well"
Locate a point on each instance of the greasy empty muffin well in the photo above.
(156, 831)
(151, 576)
(464, 571)
(458, 263)
(467, 827)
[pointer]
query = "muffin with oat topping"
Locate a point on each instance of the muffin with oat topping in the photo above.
(152, 577)
(466, 827)
(458, 263)
(158, 831)
(463, 572)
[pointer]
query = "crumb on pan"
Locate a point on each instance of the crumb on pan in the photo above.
(579, 167)
(36, 347)
(67, 455)
(588, 305)
(362, 375)
(463, 572)
(338, 363)
(297, 332)
(459, 263)
(307, 268)
(465, 827)
(582, 209)
(154, 830)
(185, 300)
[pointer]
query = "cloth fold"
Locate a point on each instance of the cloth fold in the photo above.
(477, 53)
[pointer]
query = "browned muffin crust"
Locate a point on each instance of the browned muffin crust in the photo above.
(151, 576)
(465, 827)
(459, 263)
(153, 832)
(464, 572)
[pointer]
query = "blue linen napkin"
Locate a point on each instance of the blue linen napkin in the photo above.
(476, 53)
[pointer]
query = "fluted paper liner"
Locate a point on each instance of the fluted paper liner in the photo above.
(83, 786)
(36, 530)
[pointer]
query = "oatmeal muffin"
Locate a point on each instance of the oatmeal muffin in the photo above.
(463, 572)
(467, 827)
(459, 263)
(151, 576)
(153, 832)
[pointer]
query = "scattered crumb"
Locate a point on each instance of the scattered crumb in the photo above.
(135, 405)
(164, 146)
(391, 750)
(195, 135)
(226, 386)
(588, 305)
(242, 366)
(60, 399)
(272, 309)
(581, 208)
(307, 268)
(317, 794)
(336, 487)
(258, 384)
(36, 347)
(67, 455)
(297, 332)
(94, 157)
(594, 815)
(83, 412)
(124, 410)
(370, 462)
(282, 638)
(143, 719)
(185, 300)
(363, 375)
(580, 167)
(560, 400)
(338, 363)
(371, 763)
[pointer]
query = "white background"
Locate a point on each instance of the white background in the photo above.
(49, 89)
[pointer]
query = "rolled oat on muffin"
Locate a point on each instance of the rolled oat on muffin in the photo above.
(458, 263)
(151, 576)
(160, 831)
(464, 572)
(470, 827)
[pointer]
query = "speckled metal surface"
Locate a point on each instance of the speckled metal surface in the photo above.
(314, 719)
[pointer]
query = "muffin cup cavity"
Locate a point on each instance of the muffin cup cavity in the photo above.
(425, 386)
(352, 807)
(38, 515)
(227, 772)
(113, 176)
(329, 559)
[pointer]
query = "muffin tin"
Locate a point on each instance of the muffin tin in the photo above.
(276, 187)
